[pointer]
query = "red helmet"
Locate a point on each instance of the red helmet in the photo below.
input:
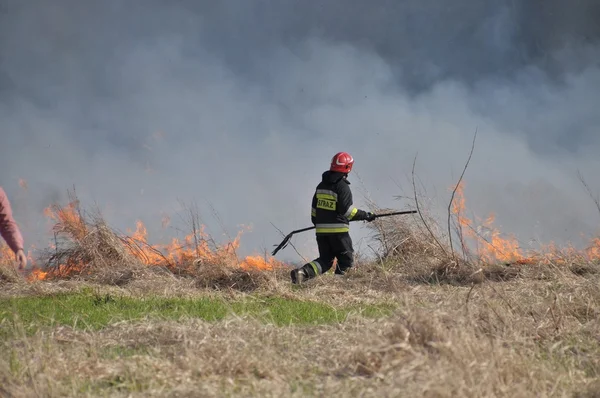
(342, 162)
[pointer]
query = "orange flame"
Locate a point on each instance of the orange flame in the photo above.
(193, 247)
(67, 219)
(492, 247)
(259, 262)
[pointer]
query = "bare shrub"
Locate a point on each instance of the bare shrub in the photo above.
(404, 238)
(85, 247)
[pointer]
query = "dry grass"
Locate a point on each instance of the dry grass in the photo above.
(525, 337)
(226, 277)
(535, 335)
(406, 239)
(87, 249)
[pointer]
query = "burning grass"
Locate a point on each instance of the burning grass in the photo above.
(85, 248)
(418, 246)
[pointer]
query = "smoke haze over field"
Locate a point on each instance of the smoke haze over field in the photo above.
(241, 104)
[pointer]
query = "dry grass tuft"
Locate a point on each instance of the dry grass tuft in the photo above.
(223, 276)
(88, 249)
(406, 239)
(8, 266)
(468, 274)
(8, 274)
(585, 269)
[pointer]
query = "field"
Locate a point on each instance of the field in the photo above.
(110, 318)
(378, 332)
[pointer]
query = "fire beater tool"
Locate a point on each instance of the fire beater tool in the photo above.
(285, 241)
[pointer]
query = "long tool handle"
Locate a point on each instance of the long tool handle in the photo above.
(289, 236)
(396, 213)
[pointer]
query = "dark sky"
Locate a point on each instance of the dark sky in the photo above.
(252, 98)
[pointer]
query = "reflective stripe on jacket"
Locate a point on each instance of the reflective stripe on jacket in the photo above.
(332, 206)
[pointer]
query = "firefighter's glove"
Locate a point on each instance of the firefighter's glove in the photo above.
(370, 217)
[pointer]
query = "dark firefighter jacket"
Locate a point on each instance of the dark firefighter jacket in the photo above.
(332, 206)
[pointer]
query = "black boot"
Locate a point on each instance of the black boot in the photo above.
(302, 274)
(298, 276)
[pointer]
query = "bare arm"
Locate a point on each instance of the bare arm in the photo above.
(8, 227)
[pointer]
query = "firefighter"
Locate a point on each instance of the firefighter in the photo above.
(332, 209)
(10, 230)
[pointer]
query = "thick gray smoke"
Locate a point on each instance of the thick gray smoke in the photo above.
(240, 105)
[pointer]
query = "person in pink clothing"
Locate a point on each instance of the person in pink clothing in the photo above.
(10, 230)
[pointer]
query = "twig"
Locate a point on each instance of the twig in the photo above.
(378, 255)
(458, 228)
(512, 310)
(589, 191)
(380, 233)
(137, 245)
(494, 311)
(554, 317)
(419, 209)
(454, 193)
(216, 215)
(468, 298)
(55, 242)
(366, 194)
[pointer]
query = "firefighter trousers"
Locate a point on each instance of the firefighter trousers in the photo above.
(332, 246)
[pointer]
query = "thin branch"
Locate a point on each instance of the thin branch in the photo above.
(365, 192)
(378, 255)
(230, 244)
(468, 298)
(419, 209)
(589, 191)
(195, 229)
(461, 236)
(454, 193)
(195, 223)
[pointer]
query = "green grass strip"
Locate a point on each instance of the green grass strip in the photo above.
(91, 311)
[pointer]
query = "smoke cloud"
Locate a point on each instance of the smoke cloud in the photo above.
(239, 107)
